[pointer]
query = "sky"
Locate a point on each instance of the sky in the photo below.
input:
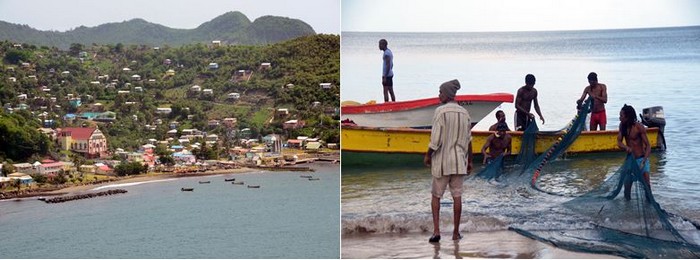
(63, 15)
(514, 15)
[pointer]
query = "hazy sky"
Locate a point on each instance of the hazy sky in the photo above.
(514, 15)
(62, 15)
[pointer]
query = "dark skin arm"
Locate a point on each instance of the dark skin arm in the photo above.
(537, 108)
(486, 145)
(509, 147)
(621, 144)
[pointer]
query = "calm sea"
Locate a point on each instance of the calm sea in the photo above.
(287, 217)
(641, 67)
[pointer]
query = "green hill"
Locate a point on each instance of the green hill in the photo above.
(50, 77)
(230, 28)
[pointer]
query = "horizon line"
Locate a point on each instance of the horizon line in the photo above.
(514, 31)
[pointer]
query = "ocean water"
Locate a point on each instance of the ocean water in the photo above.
(288, 217)
(641, 67)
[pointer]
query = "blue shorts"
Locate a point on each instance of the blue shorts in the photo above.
(646, 165)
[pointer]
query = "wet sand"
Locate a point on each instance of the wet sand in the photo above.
(496, 244)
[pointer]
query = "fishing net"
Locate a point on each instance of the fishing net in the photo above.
(527, 147)
(631, 224)
(493, 170)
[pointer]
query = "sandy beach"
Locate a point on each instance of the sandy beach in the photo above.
(73, 188)
(496, 244)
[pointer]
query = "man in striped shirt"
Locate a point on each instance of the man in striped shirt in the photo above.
(449, 155)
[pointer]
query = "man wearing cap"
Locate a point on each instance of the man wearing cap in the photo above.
(498, 143)
(599, 93)
(523, 101)
(387, 71)
(449, 155)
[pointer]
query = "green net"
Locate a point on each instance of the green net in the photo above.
(629, 225)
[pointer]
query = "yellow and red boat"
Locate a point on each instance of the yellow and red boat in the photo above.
(415, 141)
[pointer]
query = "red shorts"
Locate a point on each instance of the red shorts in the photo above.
(599, 118)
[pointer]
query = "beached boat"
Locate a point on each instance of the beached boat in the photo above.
(237, 183)
(415, 141)
(419, 113)
(253, 186)
(306, 176)
(204, 182)
(314, 179)
(230, 179)
(187, 189)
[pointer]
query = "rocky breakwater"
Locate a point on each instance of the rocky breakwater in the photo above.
(61, 199)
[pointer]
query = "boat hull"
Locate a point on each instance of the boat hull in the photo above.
(419, 113)
(415, 141)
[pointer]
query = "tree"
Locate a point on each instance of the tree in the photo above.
(7, 169)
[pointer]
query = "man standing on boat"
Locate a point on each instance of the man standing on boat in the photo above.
(387, 71)
(449, 155)
(599, 93)
(523, 102)
(636, 143)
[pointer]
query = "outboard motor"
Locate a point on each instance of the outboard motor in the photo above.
(654, 117)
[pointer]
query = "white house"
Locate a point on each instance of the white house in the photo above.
(325, 85)
(213, 65)
(164, 110)
(136, 77)
(208, 91)
(234, 95)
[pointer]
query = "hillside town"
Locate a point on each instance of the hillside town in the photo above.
(148, 119)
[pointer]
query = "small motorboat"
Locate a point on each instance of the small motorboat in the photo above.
(187, 189)
(253, 186)
(306, 176)
(204, 182)
(237, 183)
(230, 179)
(314, 179)
(42, 199)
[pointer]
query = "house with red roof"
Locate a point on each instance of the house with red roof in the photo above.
(88, 141)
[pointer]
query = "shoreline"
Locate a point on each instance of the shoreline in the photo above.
(491, 244)
(74, 188)
(44, 192)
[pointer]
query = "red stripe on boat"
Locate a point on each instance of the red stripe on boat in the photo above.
(413, 104)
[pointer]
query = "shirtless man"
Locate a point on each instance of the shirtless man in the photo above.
(500, 118)
(636, 143)
(498, 143)
(599, 93)
(523, 102)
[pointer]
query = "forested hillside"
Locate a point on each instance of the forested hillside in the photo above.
(42, 83)
(232, 28)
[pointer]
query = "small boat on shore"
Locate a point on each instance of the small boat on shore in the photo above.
(230, 179)
(204, 182)
(237, 183)
(306, 176)
(253, 186)
(314, 179)
(187, 189)
(419, 113)
(286, 168)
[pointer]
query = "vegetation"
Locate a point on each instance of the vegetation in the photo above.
(231, 27)
(130, 168)
(95, 74)
(19, 138)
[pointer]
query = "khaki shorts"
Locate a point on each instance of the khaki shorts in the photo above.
(455, 182)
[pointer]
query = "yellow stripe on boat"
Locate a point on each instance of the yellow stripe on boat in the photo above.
(406, 140)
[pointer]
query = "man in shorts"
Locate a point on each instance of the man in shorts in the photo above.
(449, 155)
(599, 93)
